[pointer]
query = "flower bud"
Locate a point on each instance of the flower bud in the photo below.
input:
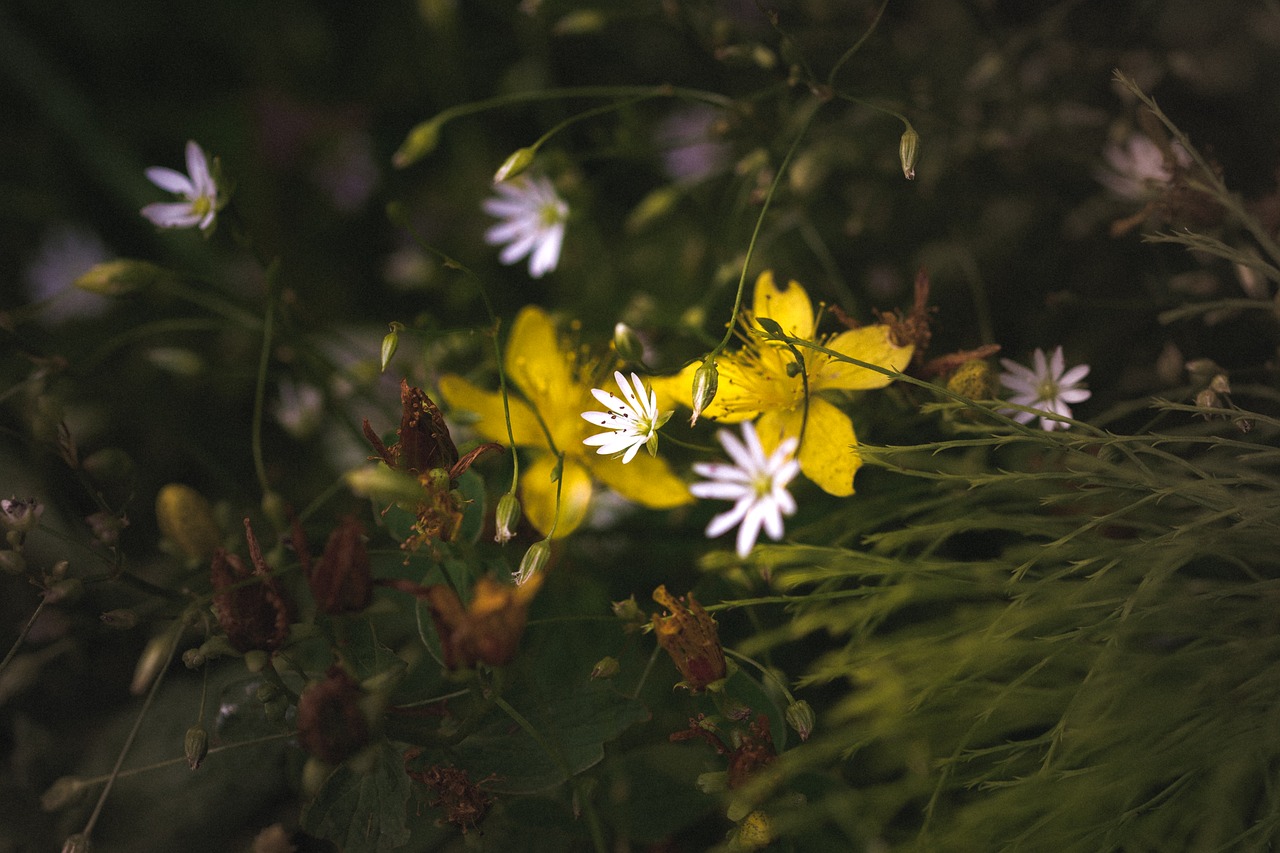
(908, 150)
(390, 343)
(533, 561)
(514, 165)
(754, 833)
(420, 142)
(153, 658)
(629, 611)
(66, 591)
(606, 667)
(706, 381)
(62, 792)
(508, 516)
(120, 277)
(713, 782)
(384, 485)
(186, 519)
(800, 717)
(20, 515)
(12, 563)
(627, 343)
(195, 745)
(106, 527)
(973, 379)
(194, 658)
(121, 619)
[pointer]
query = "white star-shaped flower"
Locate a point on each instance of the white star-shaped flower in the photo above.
(633, 420)
(197, 188)
(533, 221)
(758, 484)
(1049, 387)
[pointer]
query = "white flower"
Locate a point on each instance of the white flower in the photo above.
(757, 483)
(533, 223)
(1137, 167)
(1047, 387)
(197, 188)
(633, 422)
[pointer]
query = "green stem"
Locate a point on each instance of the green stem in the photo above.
(133, 733)
(588, 807)
(755, 233)
(22, 635)
(264, 360)
(848, 54)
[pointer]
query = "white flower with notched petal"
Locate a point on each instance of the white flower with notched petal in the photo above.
(533, 220)
(633, 419)
(758, 484)
(1049, 387)
(197, 188)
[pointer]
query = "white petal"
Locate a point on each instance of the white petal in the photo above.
(719, 491)
(171, 181)
(749, 530)
(1074, 375)
(729, 519)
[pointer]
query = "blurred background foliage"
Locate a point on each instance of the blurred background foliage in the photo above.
(305, 104)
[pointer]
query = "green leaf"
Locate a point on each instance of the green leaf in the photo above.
(771, 326)
(363, 811)
(574, 724)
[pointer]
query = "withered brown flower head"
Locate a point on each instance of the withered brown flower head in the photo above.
(912, 329)
(424, 447)
(254, 615)
(330, 724)
(424, 441)
(342, 581)
(754, 748)
(689, 635)
(488, 630)
(464, 802)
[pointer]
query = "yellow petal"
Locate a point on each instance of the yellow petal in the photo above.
(676, 389)
(538, 495)
(871, 344)
(738, 398)
(789, 307)
(645, 480)
(461, 395)
(539, 366)
(829, 454)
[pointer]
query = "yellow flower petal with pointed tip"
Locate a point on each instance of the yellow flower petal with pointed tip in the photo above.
(871, 344)
(539, 365)
(829, 453)
(789, 307)
(461, 395)
(645, 480)
(538, 495)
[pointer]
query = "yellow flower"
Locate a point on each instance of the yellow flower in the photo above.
(548, 373)
(760, 382)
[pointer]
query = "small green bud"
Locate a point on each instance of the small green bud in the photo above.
(420, 142)
(579, 22)
(628, 611)
(706, 381)
(754, 833)
(153, 658)
(533, 560)
(627, 343)
(519, 160)
(62, 792)
(908, 150)
(384, 485)
(120, 277)
(439, 480)
(606, 667)
(193, 658)
(274, 508)
(714, 782)
(390, 343)
(800, 717)
(186, 519)
(20, 515)
(508, 516)
(195, 745)
(255, 660)
(652, 208)
(12, 562)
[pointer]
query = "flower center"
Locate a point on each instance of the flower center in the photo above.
(549, 214)
(1047, 390)
(200, 205)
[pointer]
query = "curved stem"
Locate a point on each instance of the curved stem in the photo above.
(264, 359)
(22, 635)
